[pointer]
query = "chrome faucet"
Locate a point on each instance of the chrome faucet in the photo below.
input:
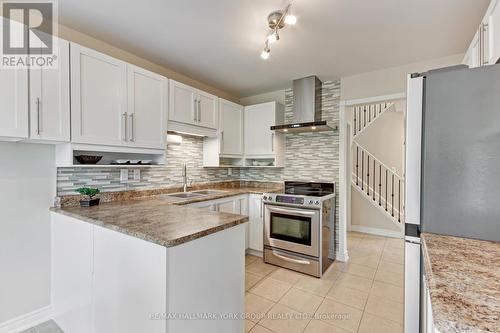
(184, 178)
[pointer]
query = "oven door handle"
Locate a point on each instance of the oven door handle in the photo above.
(292, 211)
(292, 260)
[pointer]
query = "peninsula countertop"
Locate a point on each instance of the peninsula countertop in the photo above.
(162, 219)
(463, 276)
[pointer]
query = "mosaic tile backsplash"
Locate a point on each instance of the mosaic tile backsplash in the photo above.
(308, 156)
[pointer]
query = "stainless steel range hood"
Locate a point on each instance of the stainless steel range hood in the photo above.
(306, 108)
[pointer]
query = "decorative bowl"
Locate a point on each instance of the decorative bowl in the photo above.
(88, 159)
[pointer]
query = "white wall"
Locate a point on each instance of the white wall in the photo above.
(278, 95)
(389, 80)
(27, 190)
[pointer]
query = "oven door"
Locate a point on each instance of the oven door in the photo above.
(292, 229)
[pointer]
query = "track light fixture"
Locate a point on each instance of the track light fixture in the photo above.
(277, 20)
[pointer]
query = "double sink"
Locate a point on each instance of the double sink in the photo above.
(195, 194)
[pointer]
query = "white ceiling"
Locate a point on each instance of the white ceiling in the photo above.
(219, 41)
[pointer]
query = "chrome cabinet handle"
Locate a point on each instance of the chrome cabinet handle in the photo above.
(272, 142)
(132, 121)
(221, 141)
(292, 260)
(124, 126)
(38, 130)
(199, 110)
(261, 208)
(195, 113)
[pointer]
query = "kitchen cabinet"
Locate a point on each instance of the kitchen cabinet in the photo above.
(13, 104)
(129, 283)
(233, 205)
(231, 128)
(147, 108)
(98, 98)
(485, 46)
(114, 103)
(427, 322)
(494, 32)
(260, 141)
(191, 107)
(227, 147)
(256, 223)
(49, 99)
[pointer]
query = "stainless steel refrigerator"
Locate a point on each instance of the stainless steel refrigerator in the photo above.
(452, 164)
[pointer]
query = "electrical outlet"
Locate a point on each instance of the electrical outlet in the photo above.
(123, 175)
(137, 174)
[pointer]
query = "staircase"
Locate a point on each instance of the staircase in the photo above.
(377, 182)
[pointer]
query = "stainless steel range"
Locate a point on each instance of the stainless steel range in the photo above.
(299, 230)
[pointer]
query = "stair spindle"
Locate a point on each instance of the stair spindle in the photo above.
(392, 197)
(374, 176)
(380, 185)
(362, 169)
(357, 166)
(368, 175)
(399, 200)
(355, 109)
(386, 190)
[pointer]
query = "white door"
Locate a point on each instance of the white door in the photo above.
(258, 135)
(49, 98)
(183, 104)
(475, 56)
(14, 103)
(231, 128)
(129, 283)
(147, 108)
(208, 111)
(256, 223)
(98, 97)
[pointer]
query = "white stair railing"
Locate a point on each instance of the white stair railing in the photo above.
(364, 115)
(380, 183)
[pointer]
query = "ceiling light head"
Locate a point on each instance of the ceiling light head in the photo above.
(290, 19)
(265, 53)
(273, 37)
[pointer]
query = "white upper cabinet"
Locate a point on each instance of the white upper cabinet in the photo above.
(259, 139)
(231, 128)
(147, 108)
(485, 46)
(494, 33)
(49, 99)
(98, 98)
(193, 107)
(208, 107)
(183, 105)
(13, 104)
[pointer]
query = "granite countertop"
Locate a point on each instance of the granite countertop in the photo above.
(463, 276)
(160, 218)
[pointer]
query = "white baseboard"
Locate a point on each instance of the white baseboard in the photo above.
(377, 231)
(26, 321)
(252, 253)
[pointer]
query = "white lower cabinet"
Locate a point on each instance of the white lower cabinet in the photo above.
(250, 205)
(256, 223)
(104, 281)
(129, 283)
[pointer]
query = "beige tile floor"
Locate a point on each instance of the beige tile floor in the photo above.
(365, 295)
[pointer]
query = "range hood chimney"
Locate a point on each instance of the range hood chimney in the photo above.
(306, 108)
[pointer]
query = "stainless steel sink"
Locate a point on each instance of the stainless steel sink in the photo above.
(208, 192)
(185, 195)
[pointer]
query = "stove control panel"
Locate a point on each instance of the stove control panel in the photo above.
(291, 200)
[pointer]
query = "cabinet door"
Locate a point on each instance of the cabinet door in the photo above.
(231, 128)
(49, 99)
(256, 223)
(475, 55)
(258, 135)
(147, 108)
(129, 283)
(494, 34)
(183, 103)
(228, 206)
(98, 97)
(14, 103)
(208, 110)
